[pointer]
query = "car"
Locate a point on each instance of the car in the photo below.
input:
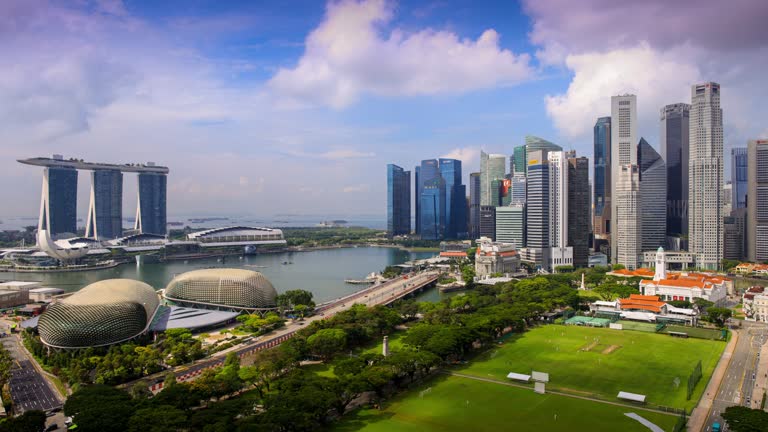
(52, 427)
(301, 323)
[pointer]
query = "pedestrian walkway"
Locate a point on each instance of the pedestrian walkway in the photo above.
(700, 414)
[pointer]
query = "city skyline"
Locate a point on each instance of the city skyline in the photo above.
(221, 90)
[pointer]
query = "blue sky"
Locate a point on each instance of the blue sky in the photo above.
(296, 107)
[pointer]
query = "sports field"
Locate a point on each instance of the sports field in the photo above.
(462, 404)
(602, 362)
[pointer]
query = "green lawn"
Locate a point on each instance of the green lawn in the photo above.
(462, 404)
(395, 343)
(603, 362)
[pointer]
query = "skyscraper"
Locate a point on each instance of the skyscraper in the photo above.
(510, 225)
(705, 176)
(518, 188)
(488, 222)
(537, 206)
(578, 209)
(561, 254)
(151, 216)
(623, 152)
(519, 161)
(492, 167)
(735, 245)
(602, 178)
(533, 143)
(653, 187)
(674, 144)
(58, 203)
(739, 178)
(417, 198)
(455, 199)
(433, 209)
(105, 212)
(757, 201)
(398, 201)
(628, 224)
(474, 206)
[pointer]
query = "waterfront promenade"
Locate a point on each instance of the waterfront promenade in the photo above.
(379, 294)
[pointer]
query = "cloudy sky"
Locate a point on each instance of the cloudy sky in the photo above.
(263, 107)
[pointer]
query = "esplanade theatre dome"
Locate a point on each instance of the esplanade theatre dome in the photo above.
(102, 313)
(238, 289)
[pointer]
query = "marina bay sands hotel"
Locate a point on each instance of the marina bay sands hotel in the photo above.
(58, 203)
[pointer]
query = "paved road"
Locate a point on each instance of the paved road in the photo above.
(29, 389)
(739, 379)
(375, 295)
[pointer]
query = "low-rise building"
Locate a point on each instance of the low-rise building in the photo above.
(495, 258)
(647, 308)
(755, 304)
(750, 269)
(44, 294)
(15, 293)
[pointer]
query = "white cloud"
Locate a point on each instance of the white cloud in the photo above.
(349, 55)
(357, 188)
(469, 157)
(656, 78)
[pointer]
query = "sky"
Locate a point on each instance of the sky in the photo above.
(263, 108)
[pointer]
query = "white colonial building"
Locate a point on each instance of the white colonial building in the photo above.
(755, 301)
(494, 257)
(683, 285)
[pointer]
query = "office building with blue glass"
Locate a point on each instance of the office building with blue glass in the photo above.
(602, 179)
(739, 163)
(105, 212)
(58, 212)
(398, 201)
(151, 212)
(441, 204)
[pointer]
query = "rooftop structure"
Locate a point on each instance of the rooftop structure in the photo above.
(103, 313)
(222, 288)
(58, 161)
(172, 317)
(495, 258)
(755, 301)
(644, 308)
(237, 235)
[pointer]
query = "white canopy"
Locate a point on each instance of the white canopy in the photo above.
(518, 377)
(631, 396)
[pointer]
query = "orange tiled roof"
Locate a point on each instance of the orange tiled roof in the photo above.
(641, 272)
(453, 254)
(508, 253)
(637, 301)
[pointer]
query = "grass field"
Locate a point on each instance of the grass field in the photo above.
(695, 332)
(462, 404)
(602, 362)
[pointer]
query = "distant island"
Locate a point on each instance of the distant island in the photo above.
(209, 219)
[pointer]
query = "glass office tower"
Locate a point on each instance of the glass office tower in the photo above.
(602, 178)
(739, 177)
(151, 214)
(432, 203)
(105, 215)
(653, 185)
(398, 201)
(674, 145)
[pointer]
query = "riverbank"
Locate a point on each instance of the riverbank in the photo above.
(70, 269)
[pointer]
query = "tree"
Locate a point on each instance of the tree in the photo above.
(743, 419)
(30, 421)
(619, 267)
(327, 342)
(728, 264)
(468, 275)
(100, 408)
(292, 298)
(162, 418)
(718, 315)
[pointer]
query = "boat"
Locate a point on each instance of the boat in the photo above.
(371, 278)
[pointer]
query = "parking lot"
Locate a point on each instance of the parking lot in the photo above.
(29, 390)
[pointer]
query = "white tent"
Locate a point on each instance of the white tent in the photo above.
(518, 377)
(634, 397)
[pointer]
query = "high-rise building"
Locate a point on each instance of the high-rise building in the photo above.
(518, 188)
(533, 143)
(488, 222)
(739, 177)
(602, 178)
(519, 161)
(501, 191)
(474, 206)
(426, 171)
(433, 209)
(561, 254)
(727, 198)
(105, 212)
(510, 225)
(492, 167)
(398, 201)
(58, 203)
(537, 205)
(417, 198)
(151, 216)
(455, 199)
(705, 176)
(628, 223)
(653, 187)
(674, 121)
(734, 235)
(578, 209)
(757, 201)
(623, 152)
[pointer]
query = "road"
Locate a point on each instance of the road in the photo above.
(383, 293)
(29, 388)
(739, 380)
